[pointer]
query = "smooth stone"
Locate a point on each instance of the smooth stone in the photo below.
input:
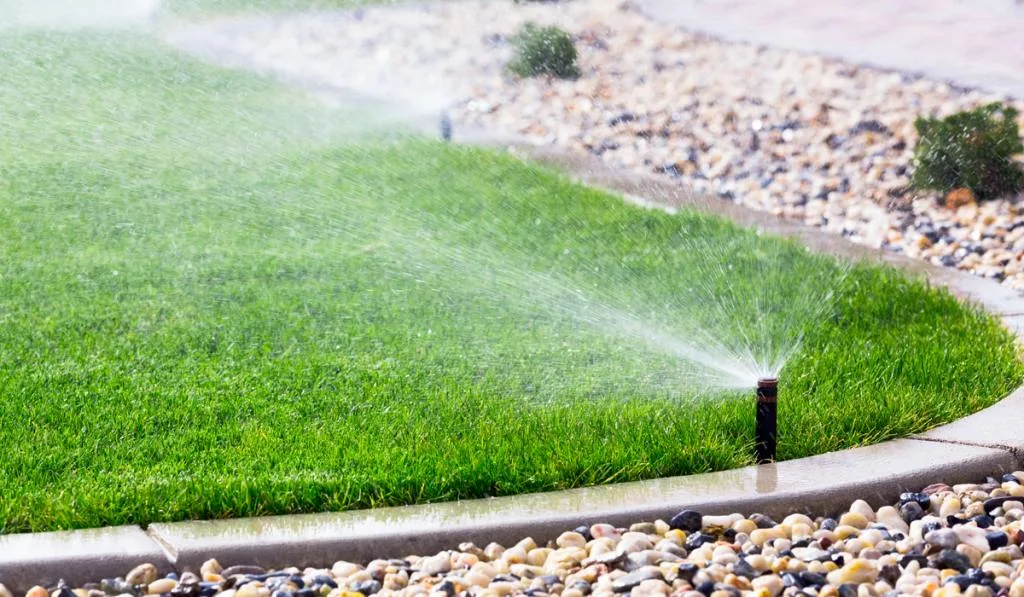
(771, 583)
(855, 520)
(864, 509)
(571, 539)
(210, 567)
(690, 521)
(892, 519)
(973, 536)
(744, 569)
(37, 591)
(436, 564)
(762, 521)
(952, 560)
(911, 511)
(858, 571)
(943, 538)
(161, 585)
(626, 583)
(143, 574)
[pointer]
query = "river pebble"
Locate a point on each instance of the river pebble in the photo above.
(939, 552)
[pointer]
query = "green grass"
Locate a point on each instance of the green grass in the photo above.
(220, 299)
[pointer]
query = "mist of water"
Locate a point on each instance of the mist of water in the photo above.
(724, 332)
(77, 14)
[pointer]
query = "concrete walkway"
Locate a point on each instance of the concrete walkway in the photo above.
(977, 43)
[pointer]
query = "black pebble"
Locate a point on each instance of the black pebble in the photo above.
(952, 559)
(688, 570)
(706, 588)
(791, 580)
(282, 594)
(812, 579)
(983, 521)
(917, 497)
(848, 590)
(306, 593)
(930, 526)
(690, 521)
(993, 503)
(1010, 478)
(953, 521)
(829, 524)
(585, 531)
(890, 574)
(744, 569)
(907, 559)
(997, 539)
(697, 539)
(762, 521)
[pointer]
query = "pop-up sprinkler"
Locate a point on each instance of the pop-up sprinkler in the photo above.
(764, 429)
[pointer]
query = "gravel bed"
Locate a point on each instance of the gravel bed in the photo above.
(965, 539)
(808, 138)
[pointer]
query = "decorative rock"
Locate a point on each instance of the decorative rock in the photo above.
(943, 538)
(690, 521)
(438, 564)
(958, 198)
(953, 560)
(857, 571)
(772, 585)
(911, 511)
(626, 583)
(162, 585)
(143, 574)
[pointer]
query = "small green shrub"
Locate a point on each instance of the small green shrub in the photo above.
(543, 51)
(972, 149)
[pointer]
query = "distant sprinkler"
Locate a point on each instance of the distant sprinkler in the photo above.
(765, 430)
(446, 128)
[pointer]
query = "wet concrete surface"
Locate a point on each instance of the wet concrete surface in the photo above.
(817, 485)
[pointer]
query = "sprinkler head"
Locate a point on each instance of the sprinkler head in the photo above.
(446, 127)
(765, 430)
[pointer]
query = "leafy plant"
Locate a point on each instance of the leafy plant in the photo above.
(972, 149)
(543, 51)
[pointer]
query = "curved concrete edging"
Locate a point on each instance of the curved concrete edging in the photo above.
(985, 443)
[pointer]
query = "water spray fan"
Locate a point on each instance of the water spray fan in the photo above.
(765, 429)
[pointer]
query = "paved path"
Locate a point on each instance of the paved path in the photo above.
(979, 43)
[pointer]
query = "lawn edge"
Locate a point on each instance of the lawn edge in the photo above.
(974, 446)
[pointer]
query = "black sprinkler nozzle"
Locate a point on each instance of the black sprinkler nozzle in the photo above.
(765, 430)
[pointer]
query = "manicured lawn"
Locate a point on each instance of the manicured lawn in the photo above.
(221, 299)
